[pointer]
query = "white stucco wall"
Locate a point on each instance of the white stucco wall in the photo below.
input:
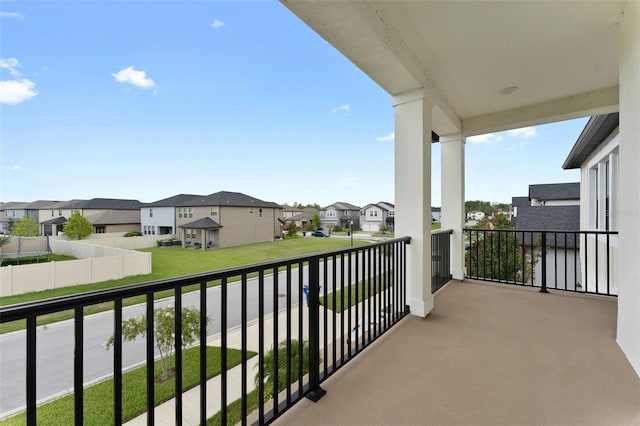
(628, 335)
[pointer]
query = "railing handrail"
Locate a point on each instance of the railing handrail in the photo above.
(442, 231)
(55, 304)
(558, 231)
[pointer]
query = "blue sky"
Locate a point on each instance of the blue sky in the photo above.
(145, 100)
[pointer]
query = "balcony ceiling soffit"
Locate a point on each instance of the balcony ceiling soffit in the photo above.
(561, 56)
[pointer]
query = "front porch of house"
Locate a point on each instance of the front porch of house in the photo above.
(488, 354)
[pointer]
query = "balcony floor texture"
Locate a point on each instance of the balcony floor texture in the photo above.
(487, 355)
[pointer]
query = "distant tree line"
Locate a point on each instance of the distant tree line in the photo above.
(485, 207)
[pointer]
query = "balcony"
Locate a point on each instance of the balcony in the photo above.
(488, 354)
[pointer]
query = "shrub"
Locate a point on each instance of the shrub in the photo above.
(133, 234)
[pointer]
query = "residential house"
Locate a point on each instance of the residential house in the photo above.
(597, 154)
(436, 214)
(475, 215)
(373, 216)
(54, 216)
(10, 212)
(302, 218)
(159, 217)
(225, 219)
(107, 214)
(340, 214)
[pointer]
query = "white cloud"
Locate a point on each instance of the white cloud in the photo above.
(391, 136)
(525, 132)
(11, 65)
(13, 92)
(13, 15)
(488, 138)
(344, 108)
(15, 168)
(134, 77)
(217, 24)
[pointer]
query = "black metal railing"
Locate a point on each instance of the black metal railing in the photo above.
(352, 297)
(577, 261)
(440, 259)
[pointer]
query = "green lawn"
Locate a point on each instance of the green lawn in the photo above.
(359, 292)
(168, 262)
(98, 398)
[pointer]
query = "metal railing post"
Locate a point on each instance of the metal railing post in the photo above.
(315, 391)
(544, 261)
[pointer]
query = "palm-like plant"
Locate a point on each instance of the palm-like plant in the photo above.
(285, 358)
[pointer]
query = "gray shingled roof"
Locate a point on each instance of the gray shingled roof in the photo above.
(596, 131)
(105, 204)
(520, 201)
(340, 205)
(555, 191)
(549, 218)
(204, 223)
(115, 217)
(55, 221)
(173, 201)
(226, 198)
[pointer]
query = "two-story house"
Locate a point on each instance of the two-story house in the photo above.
(374, 215)
(225, 219)
(340, 214)
(159, 217)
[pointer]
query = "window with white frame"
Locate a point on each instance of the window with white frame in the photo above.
(331, 213)
(603, 188)
(150, 212)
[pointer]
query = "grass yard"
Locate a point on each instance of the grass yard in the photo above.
(359, 292)
(169, 262)
(98, 398)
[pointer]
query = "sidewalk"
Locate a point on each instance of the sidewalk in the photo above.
(165, 413)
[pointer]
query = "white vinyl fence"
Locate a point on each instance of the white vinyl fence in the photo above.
(95, 264)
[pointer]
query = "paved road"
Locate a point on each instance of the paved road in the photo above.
(55, 341)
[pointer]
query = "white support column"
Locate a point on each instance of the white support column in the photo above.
(413, 193)
(453, 216)
(628, 336)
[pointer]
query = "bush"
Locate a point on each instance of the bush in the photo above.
(337, 228)
(133, 234)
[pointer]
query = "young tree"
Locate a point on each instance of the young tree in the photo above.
(497, 252)
(78, 227)
(315, 220)
(292, 228)
(26, 227)
(164, 332)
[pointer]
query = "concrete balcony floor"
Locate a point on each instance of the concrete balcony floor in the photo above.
(487, 355)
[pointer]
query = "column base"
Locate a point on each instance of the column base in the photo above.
(421, 308)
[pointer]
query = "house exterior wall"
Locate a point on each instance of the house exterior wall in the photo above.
(335, 217)
(536, 202)
(628, 333)
(246, 225)
(240, 225)
(373, 217)
(121, 227)
(164, 217)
